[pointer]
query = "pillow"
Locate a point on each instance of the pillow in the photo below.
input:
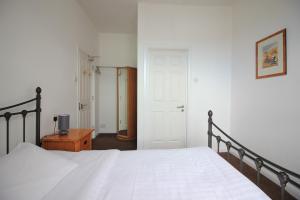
(30, 172)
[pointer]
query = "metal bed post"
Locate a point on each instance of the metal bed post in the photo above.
(209, 132)
(38, 116)
(228, 146)
(24, 113)
(241, 154)
(218, 142)
(7, 116)
(283, 180)
(258, 163)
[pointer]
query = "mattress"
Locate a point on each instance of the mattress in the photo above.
(176, 174)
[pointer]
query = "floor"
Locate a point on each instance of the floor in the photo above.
(270, 188)
(106, 141)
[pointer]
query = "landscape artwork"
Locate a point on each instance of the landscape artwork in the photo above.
(271, 55)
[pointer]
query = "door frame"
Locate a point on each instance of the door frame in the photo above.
(142, 99)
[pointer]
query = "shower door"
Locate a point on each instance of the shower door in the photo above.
(122, 99)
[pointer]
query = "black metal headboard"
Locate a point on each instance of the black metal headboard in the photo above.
(7, 115)
(284, 175)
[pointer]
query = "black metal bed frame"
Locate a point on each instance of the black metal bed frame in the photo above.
(284, 175)
(7, 115)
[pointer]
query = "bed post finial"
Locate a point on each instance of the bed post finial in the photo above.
(283, 179)
(38, 116)
(209, 132)
(38, 90)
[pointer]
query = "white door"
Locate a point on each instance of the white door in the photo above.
(166, 97)
(84, 105)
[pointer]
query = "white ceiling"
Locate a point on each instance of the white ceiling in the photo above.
(120, 16)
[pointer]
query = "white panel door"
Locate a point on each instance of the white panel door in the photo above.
(84, 90)
(166, 97)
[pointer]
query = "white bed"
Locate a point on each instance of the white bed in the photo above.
(193, 173)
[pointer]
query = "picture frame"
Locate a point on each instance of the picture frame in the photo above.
(271, 55)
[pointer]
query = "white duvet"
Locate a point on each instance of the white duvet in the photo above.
(194, 173)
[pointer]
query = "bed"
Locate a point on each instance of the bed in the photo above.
(30, 172)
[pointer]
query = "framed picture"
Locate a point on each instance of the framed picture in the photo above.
(271, 55)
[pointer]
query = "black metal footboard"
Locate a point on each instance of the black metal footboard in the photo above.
(7, 115)
(284, 175)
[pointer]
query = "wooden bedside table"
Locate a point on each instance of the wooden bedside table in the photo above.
(75, 140)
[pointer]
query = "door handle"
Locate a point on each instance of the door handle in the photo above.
(180, 106)
(82, 106)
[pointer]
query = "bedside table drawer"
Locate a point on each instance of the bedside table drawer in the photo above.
(86, 143)
(62, 146)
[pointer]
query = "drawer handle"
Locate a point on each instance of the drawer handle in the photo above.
(85, 142)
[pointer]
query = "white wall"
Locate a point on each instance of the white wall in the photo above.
(38, 48)
(106, 101)
(265, 112)
(206, 33)
(117, 49)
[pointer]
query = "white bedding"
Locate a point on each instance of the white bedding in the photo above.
(194, 173)
(30, 172)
